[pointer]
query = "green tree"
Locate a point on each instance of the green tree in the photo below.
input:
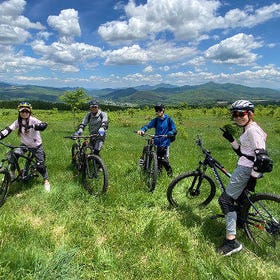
(75, 99)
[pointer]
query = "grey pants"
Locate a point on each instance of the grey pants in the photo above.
(237, 184)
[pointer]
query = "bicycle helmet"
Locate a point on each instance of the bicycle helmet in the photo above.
(24, 106)
(242, 105)
(159, 107)
(93, 103)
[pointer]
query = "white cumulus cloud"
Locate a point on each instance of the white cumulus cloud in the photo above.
(236, 49)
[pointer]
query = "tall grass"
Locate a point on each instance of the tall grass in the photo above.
(129, 233)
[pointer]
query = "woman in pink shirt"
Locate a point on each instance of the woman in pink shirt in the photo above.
(252, 138)
(29, 129)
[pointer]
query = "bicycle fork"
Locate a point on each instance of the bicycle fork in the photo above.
(194, 189)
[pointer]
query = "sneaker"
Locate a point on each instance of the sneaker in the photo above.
(229, 247)
(47, 186)
(141, 162)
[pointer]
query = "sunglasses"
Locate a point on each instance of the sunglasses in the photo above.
(238, 114)
(93, 106)
(24, 111)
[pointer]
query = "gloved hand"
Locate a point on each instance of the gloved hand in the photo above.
(252, 183)
(101, 131)
(169, 134)
(227, 135)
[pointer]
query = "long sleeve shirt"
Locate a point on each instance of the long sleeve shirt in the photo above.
(31, 137)
(252, 138)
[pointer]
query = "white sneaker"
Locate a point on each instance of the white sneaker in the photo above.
(47, 186)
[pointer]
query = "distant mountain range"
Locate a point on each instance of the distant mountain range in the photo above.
(205, 94)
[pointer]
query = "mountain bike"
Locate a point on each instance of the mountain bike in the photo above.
(258, 213)
(25, 168)
(91, 167)
(149, 162)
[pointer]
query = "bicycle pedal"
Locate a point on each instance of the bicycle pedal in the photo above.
(217, 216)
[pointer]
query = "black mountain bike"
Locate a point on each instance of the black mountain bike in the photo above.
(149, 162)
(25, 165)
(258, 213)
(92, 168)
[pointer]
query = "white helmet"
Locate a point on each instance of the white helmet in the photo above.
(242, 105)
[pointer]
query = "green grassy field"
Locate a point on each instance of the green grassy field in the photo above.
(129, 233)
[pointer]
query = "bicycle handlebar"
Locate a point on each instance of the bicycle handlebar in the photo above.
(199, 143)
(153, 135)
(13, 147)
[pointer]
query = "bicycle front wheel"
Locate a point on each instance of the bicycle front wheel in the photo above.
(95, 175)
(150, 170)
(262, 219)
(5, 180)
(191, 189)
(76, 163)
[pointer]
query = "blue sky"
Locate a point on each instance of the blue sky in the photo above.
(106, 43)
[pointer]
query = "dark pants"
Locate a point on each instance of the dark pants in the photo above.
(163, 161)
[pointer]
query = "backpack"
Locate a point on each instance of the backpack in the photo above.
(171, 137)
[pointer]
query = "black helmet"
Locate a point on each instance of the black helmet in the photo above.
(242, 105)
(93, 103)
(159, 106)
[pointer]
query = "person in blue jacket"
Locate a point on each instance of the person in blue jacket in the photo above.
(164, 125)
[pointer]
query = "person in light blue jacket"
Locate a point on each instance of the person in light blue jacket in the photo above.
(164, 125)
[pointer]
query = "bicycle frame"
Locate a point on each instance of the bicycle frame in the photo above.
(151, 147)
(29, 162)
(213, 164)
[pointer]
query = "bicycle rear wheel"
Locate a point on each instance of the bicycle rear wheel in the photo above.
(150, 170)
(262, 219)
(191, 189)
(5, 180)
(95, 175)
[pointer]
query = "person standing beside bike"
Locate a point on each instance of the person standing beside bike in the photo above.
(164, 125)
(97, 122)
(252, 139)
(29, 129)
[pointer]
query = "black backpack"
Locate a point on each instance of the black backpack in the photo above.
(171, 137)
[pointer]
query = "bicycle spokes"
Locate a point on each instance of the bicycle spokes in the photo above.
(262, 223)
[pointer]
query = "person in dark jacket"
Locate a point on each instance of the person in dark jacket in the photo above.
(164, 125)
